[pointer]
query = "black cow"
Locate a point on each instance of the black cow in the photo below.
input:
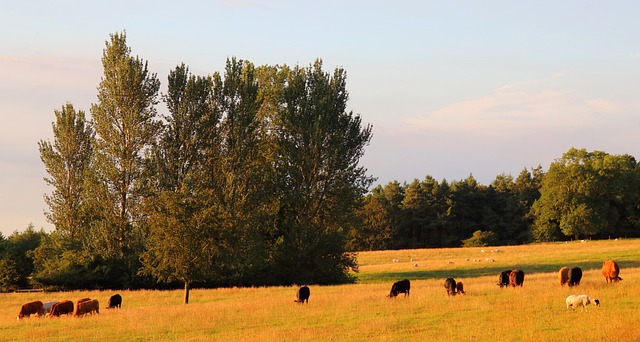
(115, 301)
(503, 278)
(402, 286)
(450, 285)
(575, 275)
(303, 295)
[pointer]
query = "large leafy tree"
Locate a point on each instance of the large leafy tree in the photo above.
(178, 246)
(67, 160)
(586, 193)
(126, 125)
(321, 181)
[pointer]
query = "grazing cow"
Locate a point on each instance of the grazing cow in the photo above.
(580, 300)
(302, 295)
(460, 288)
(46, 306)
(31, 308)
(516, 278)
(450, 285)
(64, 307)
(87, 307)
(575, 275)
(115, 301)
(563, 275)
(503, 278)
(402, 286)
(611, 271)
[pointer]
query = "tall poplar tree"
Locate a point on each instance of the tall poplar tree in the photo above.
(126, 125)
(320, 144)
(67, 160)
(179, 246)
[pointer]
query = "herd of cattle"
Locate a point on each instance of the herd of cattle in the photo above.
(567, 276)
(570, 277)
(54, 308)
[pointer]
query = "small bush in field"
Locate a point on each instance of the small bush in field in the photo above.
(481, 239)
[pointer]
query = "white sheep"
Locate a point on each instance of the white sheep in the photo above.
(580, 300)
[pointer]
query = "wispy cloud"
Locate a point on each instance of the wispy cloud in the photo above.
(514, 109)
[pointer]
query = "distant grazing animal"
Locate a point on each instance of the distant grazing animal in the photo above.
(64, 307)
(115, 301)
(575, 275)
(450, 285)
(31, 308)
(516, 278)
(503, 278)
(46, 306)
(563, 276)
(611, 271)
(574, 301)
(302, 295)
(402, 286)
(460, 288)
(87, 307)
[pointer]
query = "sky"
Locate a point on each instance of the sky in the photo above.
(451, 88)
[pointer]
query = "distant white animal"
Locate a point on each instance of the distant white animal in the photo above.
(574, 301)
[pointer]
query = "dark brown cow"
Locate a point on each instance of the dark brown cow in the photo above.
(516, 278)
(460, 288)
(402, 286)
(503, 278)
(115, 301)
(64, 307)
(450, 285)
(563, 276)
(87, 307)
(575, 275)
(302, 295)
(611, 271)
(31, 308)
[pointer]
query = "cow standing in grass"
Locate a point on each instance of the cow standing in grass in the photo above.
(575, 275)
(115, 301)
(402, 286)
(563, 275)
(450, 285)
(503, 278)
(31, 308)
(611, 271)
(64, 307)
(516, 278)
(302, 295)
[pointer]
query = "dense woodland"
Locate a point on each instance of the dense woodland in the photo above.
(252, 177)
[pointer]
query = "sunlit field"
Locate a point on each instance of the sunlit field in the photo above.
(362, 312)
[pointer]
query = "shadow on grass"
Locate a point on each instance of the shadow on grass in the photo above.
(381, 277)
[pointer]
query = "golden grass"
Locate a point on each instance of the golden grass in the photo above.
(361, 312)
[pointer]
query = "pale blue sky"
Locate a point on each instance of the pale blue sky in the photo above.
(452, 88)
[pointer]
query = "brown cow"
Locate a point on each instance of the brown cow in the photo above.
(64, 307)
(87, 307)
(611, 271)
(31, 308)
(460, 288)
(516, 278)
(563, 276)
(451, 286)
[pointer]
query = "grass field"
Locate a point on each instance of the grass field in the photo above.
(361, 312)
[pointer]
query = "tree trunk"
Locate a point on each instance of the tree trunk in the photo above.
(186, 292)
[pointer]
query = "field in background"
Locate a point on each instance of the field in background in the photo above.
(361, 312)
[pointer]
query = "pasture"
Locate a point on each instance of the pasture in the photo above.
(361, 312)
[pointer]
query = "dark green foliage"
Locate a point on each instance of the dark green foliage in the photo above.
(481, 239)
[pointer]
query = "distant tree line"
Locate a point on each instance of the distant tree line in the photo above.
(582, 195)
